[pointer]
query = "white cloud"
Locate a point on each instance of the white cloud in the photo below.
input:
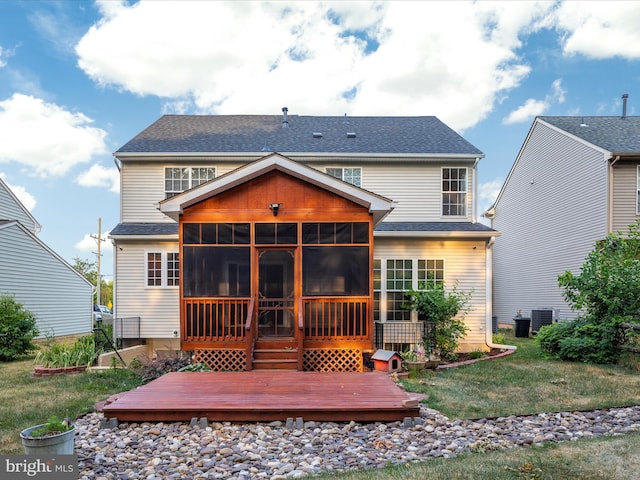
(28, 200)
(99, 176)
(449, 59)
(600, 29)
(45, 137)
(532, 108)
(487, 194)
(3, 56)
(524, 113)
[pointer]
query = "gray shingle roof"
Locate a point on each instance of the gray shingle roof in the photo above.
(145, 229)
(433, 227)
(172, 228)
(615, 134)
(257, 133)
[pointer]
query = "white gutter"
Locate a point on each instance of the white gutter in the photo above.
(489, 300)
(161, 156)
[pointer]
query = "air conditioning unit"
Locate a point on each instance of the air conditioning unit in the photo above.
(540, 317)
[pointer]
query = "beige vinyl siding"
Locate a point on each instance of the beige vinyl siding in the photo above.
(625, 195)
(157, 307)
(44, 284)
(464, 262)
(11, 209)
(143, 186)
(552, 209)
(414, 186)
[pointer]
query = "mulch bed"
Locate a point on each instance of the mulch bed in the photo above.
(465, 358)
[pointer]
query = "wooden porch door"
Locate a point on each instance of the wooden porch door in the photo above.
(276, 288)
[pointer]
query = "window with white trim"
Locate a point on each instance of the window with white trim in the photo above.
(454, 191)
(163, 269)
(392, 278)
(352, 175)
(179, 179)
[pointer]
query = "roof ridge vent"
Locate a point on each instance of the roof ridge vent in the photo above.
(351, 134)
(317, 134)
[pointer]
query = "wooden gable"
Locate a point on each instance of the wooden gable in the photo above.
(298, 199)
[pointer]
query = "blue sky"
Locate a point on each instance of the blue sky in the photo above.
(78, 79)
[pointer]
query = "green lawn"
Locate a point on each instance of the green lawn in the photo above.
(27, 401)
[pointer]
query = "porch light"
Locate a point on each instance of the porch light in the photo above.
(274, 208)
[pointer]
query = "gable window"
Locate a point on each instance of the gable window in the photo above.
(454, 192)
(352, 175)
(163, 269)
(179, 179)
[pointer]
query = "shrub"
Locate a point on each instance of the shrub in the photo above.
(607, 292)
(56, 355)
(17, 329)
(580, 340)
(446, 310)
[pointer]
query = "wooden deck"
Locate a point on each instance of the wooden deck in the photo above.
(265, 395)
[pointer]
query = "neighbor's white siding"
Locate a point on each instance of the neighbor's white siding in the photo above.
(157, 307)
(464, 262)
(552, 209)
(11, 209)
(625, 195)
(44, 284)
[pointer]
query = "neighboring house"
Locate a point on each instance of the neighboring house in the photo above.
(37, 277)
(575, 180)
(310, 248)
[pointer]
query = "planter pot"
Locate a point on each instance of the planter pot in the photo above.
(415, 365)
(58, 444)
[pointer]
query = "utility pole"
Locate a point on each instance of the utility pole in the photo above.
(99, 239)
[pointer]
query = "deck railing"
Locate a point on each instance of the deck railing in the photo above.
(331, 318)
(215, 319)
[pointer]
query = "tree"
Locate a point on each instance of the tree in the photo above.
(607, 293)
(89, 271)
(17, 329)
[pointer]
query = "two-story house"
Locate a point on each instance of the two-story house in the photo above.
(37, 277)
(575, 180)
(272, 241)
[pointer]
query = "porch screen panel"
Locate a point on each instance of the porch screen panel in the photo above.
(335, 270)
(216, 271)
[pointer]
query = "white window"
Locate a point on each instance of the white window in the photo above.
(179, 179)
(394, 277)
(352, 175)
(163, 269)
(454, 192)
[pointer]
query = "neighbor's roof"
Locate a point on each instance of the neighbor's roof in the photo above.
(304, 134)
(615, 134)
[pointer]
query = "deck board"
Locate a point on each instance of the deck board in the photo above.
(264, 395)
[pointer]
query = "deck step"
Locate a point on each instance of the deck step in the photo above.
(275, 364)
(275, 353)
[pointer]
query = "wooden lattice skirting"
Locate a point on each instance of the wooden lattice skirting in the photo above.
(222, 360)
(335, 360)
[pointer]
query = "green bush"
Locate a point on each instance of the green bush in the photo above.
(580, 340)
(446, 310)
(17, 329)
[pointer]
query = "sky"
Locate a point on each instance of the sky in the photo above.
(78, 79)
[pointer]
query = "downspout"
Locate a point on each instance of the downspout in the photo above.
(610, 162)
(475, 191)
(489, 299)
